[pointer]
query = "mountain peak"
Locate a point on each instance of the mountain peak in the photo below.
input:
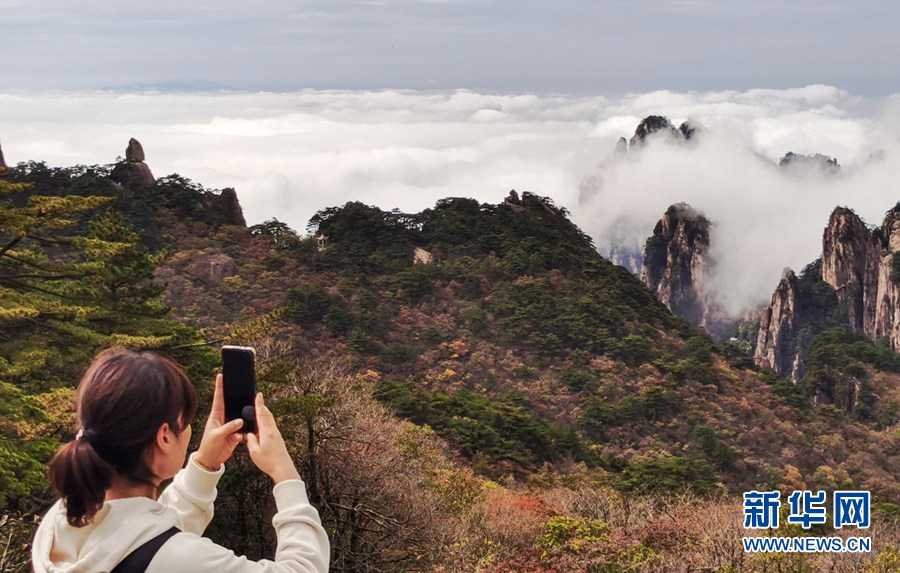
(653, 124)
(133, 168)
(824, 163)
(677, 266)
(134, 151)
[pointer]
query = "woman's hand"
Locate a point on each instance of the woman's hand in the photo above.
(267, 449)
(219, 438)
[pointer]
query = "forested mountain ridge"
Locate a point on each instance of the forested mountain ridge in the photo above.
(496, 328)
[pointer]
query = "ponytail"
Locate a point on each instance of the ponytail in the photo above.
(81, 477)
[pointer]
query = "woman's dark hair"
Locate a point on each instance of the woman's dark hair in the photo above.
(123, 399)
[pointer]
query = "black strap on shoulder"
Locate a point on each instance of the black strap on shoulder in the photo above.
(138, 560)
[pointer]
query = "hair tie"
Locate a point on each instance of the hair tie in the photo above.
(90, 436)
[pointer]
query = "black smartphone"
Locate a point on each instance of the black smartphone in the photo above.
(239, 384)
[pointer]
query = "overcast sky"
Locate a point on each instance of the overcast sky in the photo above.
(572, 46)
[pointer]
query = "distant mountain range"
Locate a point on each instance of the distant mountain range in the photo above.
(181, 85)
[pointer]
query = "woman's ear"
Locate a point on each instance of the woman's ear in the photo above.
(164, 437)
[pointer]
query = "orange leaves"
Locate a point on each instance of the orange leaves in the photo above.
(369, 377)
(454, 350)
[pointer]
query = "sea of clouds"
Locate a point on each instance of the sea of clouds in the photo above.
(292, 154)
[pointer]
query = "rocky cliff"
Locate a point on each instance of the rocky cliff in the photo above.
(677, 266)
(858, 263)
(856, 283)
(775, 348)
(625, 256)
(2, 161)
(133, 168)
(232, 207)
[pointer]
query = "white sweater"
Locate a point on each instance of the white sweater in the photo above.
(122, 525)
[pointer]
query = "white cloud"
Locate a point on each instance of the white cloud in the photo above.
(291, 154)
(765, 218)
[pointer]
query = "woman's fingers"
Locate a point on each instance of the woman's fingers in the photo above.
(264, 418)
(220, 438)
(234, 425)
(267, 448)
(226, 430)
(218, 403)
(260, 402)
(252, 443)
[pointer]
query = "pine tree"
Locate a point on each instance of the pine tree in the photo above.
(72, 280)
(31, 298)
(64, 293)
(37, 263)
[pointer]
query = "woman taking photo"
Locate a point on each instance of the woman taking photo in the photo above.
(135, 411)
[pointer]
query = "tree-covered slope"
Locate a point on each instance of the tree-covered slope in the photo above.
(515, 354)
